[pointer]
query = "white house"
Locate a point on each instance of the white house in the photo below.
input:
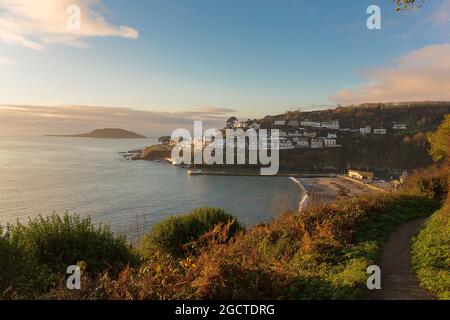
(310, 134)
(307, 123)
(332, 136)
(286, 144)
(242, 125)
(279, 122)
(332, 124)
(365, 130)
(399, 126)
(316, 143)
(317, 125)
(301, 142)
(329, 143)
(379, 131)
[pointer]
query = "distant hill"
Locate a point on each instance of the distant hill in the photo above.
(418, 116)
(108, 133)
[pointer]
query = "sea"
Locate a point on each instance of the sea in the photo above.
(91, 177)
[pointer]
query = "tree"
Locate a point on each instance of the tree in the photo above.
(408, 4)
(440, 141)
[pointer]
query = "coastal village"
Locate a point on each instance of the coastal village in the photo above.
(295, 134)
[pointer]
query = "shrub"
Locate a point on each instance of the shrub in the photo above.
(20, 274)
(431, 254)
(57, 242)
(432, 182)
(321, 253)
(174, 235)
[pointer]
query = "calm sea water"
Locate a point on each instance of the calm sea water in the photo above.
(42, 175)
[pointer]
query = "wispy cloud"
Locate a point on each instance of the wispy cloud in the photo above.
(422, 74)
(75, 119)
(37, 23)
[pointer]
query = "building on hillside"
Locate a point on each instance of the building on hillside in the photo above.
(307, 123)
(242, 125)
(361, 175)
(279, 123)
(301, 142)
(310, 134)
(286, 144)
(232, 123)
(399, 126)
(317, 125)
(330, 143)
(332, 136)
(316, 143)
(365, 130)
(379, 131)
(332, 124)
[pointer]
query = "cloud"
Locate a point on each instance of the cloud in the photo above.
(422, 74)
(76, 119)
(37, 23)
(6, 61)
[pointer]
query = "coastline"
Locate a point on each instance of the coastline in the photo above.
(305, 201)
(328, 189)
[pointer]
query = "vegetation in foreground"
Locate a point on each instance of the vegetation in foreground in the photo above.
(34, 257)
(320, 253)
(431, 247)
(431, 254)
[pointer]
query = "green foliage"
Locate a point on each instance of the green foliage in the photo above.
(432, 182)
(440, 141)
(175, 234)
(20, 273)
(431, 254)
(45, 247)
(322, 253)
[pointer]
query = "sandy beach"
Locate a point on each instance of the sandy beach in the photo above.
(330, 189)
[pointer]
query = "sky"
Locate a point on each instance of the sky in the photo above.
(151, 65)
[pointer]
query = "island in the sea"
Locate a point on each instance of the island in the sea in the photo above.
(107, 133)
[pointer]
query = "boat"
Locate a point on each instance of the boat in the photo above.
(194, 172)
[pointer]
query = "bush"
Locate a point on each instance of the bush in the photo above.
(57, 242)
(321, 253)
(432, 182)
(20, 274)
(431, 254)
(175, 234)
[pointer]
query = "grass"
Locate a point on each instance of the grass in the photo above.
(41, 251)
(431, 254)
(322, 253)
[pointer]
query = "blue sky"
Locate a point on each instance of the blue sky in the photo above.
(255, 56)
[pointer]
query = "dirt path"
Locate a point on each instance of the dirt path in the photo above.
(397, 279)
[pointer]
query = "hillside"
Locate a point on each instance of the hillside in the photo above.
(108, 133)
(397, 149)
